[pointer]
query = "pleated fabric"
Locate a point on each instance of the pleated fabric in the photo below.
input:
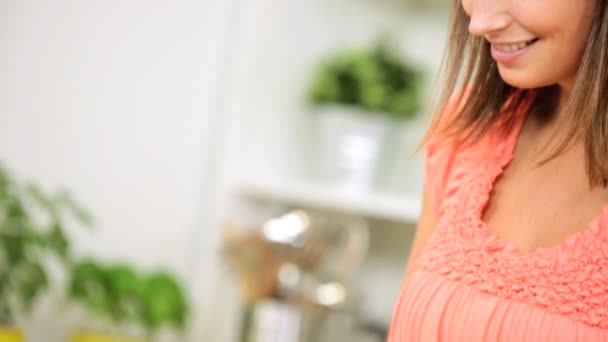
(434, 308)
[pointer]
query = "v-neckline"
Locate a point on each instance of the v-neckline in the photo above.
(505, 156)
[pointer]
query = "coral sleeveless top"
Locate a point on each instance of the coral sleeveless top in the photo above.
(469, 285)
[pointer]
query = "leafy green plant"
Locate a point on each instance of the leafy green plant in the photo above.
(32, 228)
(375, 79)
(124, 296)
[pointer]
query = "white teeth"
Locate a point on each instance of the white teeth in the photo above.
(511, 47)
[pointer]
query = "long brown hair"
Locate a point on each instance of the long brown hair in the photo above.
(467, 63)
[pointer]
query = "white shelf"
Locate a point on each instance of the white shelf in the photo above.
(400, 208)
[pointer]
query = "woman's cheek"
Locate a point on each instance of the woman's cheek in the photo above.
(467, 5)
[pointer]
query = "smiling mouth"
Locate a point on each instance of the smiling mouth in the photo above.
(514, 47)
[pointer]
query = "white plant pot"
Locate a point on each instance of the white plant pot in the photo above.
(349, 147)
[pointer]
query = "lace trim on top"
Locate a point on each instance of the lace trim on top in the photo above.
(569, 279)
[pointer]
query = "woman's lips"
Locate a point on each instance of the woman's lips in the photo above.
(509, 52)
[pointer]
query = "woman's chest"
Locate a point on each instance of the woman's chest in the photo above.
(540, 206)
(543, 243)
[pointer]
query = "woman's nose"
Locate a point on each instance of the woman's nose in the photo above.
(488, 16)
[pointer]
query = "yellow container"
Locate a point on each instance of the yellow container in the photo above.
(100, 338)
(10, 335)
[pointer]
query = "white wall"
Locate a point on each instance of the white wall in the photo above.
(115, 100)
(119, 100)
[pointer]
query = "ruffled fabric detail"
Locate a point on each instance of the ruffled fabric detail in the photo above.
(570, 279)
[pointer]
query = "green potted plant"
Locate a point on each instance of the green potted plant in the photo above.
(359, 94)
(32, 226)
(132, 305)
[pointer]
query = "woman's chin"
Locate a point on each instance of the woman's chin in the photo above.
(522, 79)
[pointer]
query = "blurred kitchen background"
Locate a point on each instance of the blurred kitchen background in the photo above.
(235, 170)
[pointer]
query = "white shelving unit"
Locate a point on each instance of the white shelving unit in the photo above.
(261, 119)
(395, 207)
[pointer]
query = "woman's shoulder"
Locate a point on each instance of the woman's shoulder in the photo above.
(441, 149)
(448, 154)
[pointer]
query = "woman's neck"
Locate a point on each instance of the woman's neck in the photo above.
(549, 117)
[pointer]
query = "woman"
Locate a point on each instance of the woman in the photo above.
(512, 243)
